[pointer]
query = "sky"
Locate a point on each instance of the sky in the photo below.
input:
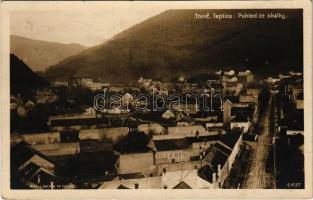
(85, 27)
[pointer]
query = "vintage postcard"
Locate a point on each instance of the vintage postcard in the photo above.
(155, 98)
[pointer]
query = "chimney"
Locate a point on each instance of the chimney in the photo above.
(38, 179)
(52, 185)
(164, 171)
(219, 169)
(214, 178)
(197, 134)
(136, 185)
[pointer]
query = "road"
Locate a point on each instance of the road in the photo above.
(256, 176)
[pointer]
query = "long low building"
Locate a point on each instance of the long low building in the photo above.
(184, 179)
(72, 136)
(220, 157)
(59, 149)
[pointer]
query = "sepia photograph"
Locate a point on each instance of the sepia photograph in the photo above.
(158, 97)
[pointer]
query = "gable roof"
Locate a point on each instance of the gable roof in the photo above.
(206, 173)
(122, 187)
(182, 185)
(22, 152)
(223, 148)
(216, 157)
(29, 170)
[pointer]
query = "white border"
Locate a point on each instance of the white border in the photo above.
(7, 7)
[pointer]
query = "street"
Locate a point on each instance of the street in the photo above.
(256, 176)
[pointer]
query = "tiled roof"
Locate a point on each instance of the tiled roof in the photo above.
(231, 138)
(222, 148)
(216, 157)
(206, 173)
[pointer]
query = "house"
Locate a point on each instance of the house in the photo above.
(253, 90)
(36, 177)
(233, 140)
(216, 89)
(95, 146)
(90, 111)
(206, 119)
(14, 102)
(209, 174)
(135, 163)
(116, 88)
(94, 86)
(215, 170)
(67, 136)
(189, 88)
(246, 109)
(229, 73)
(172, 150)
(134, 183)
(178, 166)
(245, 98)
(230, 110)
(168, 114)
(58, 149)
(187, 130)
(213, 79)
(227, 117)
(60, 84)
(185, 121)
(42, 138)
(212, 122)
(182, 149)
(297, 99)
(45, 96)
(242, 122)
(293, 123)
(233, 79)
(245, 77)
(29, 105)
(233, 89)
(291, 73)
(127, 99)
(184, 179)
(23, 154)
(77, 122)
(187, 108)
(180, 115)
(113, 133)
(153, 128)
(202, 143)
(220, 157)
(272, 80)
